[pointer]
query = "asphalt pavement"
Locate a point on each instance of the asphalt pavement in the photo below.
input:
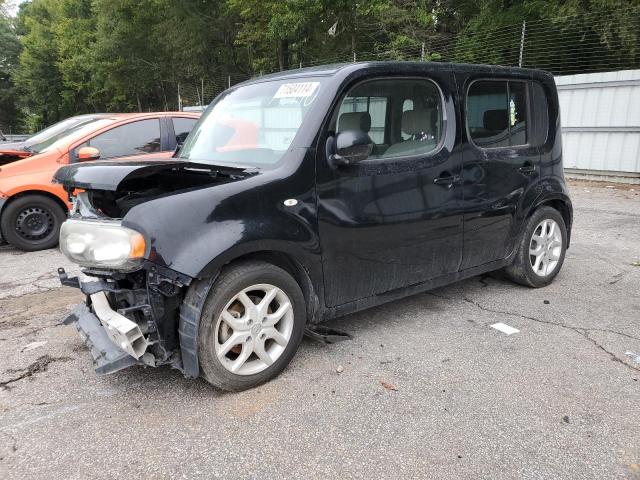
(425, 389)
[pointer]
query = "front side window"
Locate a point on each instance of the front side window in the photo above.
(375, 109)
(403, 117)
(253, 124)
(497, 113)
(134, 138)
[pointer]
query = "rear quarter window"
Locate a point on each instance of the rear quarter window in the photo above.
(497, 113)
(540, 114)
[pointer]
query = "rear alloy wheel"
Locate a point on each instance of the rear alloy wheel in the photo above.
(251, 325)
(541, 249)
(545, 248)
(32, 222)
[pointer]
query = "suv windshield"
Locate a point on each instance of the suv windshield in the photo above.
(252, 125)
(80, 129)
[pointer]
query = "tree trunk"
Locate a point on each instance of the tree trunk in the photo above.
(283, 54)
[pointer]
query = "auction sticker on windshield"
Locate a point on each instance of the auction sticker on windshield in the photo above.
(296, 90)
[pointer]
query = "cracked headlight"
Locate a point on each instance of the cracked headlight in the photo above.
(101, 244)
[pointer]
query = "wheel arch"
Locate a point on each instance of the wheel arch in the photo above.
(294, 268)
(197, 292)
(562, 204)
(43, 193)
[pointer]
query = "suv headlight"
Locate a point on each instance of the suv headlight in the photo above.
(101, 244)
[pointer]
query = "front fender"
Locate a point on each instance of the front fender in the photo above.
(197, 232)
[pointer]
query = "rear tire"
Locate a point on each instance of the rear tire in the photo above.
(541, 250)
(246, 338)
(32, 222)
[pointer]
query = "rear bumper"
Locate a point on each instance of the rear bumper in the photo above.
(108, 357)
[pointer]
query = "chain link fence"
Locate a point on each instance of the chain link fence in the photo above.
(584, 43)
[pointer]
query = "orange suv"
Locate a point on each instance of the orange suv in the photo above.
(32, 208)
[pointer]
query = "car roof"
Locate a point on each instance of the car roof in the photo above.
(336, 68)
(119, 116)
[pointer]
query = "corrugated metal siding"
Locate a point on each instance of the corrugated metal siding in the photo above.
(601, 120)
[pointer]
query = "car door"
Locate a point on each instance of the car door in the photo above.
(133, 138)
(500, 162)
(394, 219)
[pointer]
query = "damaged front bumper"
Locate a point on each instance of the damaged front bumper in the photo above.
(128, 319)
(107, 356)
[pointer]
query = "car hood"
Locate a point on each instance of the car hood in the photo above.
(116, 175)
(12, 153)
(115, 187)
(32, 164)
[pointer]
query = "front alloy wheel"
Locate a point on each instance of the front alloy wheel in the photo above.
(254, 329)
(250, 326)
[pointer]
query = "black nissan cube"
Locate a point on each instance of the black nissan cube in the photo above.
(310, 194)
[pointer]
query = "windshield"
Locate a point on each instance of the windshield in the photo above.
(79, 130)
(252, 125)
(56, 129)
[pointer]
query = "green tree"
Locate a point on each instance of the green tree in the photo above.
(271, 29)
(565, 37)
(37, 77)
(75, 33)
(77, 56)
(9, 53)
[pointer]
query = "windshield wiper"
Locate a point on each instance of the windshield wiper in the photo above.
(221, 170)
(213, 164)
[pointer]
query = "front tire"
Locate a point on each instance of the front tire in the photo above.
(541, 250)
(251, 325)
(32, 222)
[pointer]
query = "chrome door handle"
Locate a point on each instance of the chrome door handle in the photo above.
(527, 169)
(446, 179)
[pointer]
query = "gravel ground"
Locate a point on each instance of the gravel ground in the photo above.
(427, 389)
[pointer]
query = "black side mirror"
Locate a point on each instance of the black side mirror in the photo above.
(349, 147)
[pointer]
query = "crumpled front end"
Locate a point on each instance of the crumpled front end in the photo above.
(132, 312)
(129, 318)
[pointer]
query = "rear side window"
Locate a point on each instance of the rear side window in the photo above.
(497, 113)
(540, 115)
(182, 127)
(403, 117)
(131, 139)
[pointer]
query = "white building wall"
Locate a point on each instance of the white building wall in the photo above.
(600, 115)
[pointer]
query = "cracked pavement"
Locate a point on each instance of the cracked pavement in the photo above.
(426, 388)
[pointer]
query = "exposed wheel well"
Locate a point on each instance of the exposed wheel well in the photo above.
(42, 193)
(297, 271)
(561, 207)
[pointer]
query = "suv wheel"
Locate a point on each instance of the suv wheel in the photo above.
(251, 325)
(541, 251)
(32, 222)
